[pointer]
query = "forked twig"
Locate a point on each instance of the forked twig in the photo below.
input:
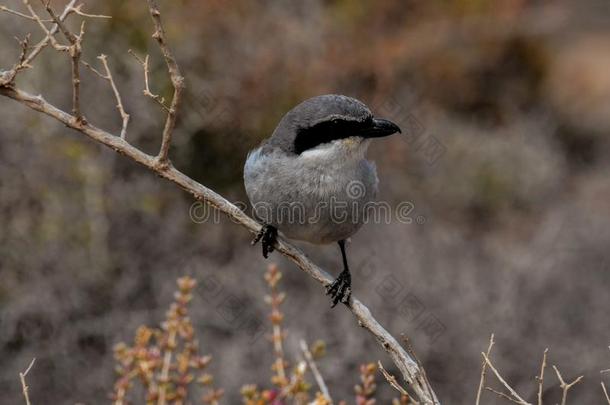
(49, 33)
(564, 386)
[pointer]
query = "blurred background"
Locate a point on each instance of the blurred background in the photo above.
(505, 109)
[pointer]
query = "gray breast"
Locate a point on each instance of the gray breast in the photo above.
(315, 200)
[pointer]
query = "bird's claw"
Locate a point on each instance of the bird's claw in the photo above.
(268, 236)
(341, 289)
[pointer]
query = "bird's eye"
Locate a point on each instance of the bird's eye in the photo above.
(334, 121)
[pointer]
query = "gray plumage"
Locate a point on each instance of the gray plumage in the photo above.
(319, 195)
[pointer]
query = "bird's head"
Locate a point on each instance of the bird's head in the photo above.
(329, 121)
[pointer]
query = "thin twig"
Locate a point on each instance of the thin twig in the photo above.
(420, 366)
(392, 381)
(49, 33)
(503, 395)
(75, 54)
(67, 33)
(117, 96)
(605, 393)
(20, 14)
(516, 396)
(77, 10)
(8, 77)
(176, 78)
(565, 387)
(144, 62)
(540, 378)
(484, 370)
(314, 370)
(24, 386)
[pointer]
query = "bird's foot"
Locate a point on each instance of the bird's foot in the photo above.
(268, 236)
(341, 289)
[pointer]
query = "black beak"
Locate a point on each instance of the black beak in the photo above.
(379, 128)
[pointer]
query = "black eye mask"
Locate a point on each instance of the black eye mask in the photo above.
(327, 131)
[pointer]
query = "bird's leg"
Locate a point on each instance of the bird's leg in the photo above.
(268, 236)
(341, 289)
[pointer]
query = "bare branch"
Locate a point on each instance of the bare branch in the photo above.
(69, 35)
(20, 14)
(24, 386)
(503, 395)
(605, 393)
(94, 70)
(160, 100)
(8, 77)
(77, 10)
(516, 396)
(565, 387)
(392, 381)
(423, 377)
(108, 76)
(49, 33)
(484, 370)
(175, 76)
(314, 370)
(75, 53)
(540, 378)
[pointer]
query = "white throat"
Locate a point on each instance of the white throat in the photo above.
(340, 151)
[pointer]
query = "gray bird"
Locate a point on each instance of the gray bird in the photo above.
(311, 179)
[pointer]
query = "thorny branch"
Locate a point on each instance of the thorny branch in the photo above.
(410, 369)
